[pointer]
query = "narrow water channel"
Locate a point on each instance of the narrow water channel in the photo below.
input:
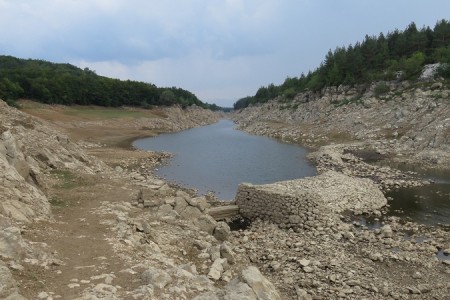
(428, 204)
(218, 158)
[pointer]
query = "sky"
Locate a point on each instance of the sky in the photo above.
(221, 50)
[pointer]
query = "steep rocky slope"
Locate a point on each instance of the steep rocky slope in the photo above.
(410, 122)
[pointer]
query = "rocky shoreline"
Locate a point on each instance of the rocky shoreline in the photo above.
(398, 260)
(409, 123)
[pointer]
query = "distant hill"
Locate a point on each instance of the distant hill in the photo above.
(384, 57)
(66, 84)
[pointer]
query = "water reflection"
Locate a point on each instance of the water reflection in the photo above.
(427, 204)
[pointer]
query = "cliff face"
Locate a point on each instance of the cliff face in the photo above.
(412, 120)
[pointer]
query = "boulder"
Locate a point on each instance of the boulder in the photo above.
(156, 277)
(191, 213)
(262, 287)
(227, 252)
(222, 231)
(206, 223)
(12, 245)
(238, 290)
(180, 204)
(217, 268)
(8, 287)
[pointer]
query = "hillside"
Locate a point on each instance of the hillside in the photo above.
(395, 55)
(66, 84)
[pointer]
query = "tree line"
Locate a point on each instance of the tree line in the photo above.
(381, 57)
(55, 83)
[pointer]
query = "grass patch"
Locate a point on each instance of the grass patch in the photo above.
(290, 106)
(354, 100)
(437, 96)
(56, 202)
(67, 180)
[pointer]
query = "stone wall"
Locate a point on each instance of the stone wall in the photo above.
(308, 203)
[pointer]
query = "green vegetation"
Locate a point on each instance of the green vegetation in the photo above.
(399, 53)
(106, 113)
(67, 180)
(346, 101)
(66, 84)
(380, 89)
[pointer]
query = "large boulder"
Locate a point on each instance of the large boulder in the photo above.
(8, 287)
(156, 277)
(19, 200)
(260, 285)
(250, 284)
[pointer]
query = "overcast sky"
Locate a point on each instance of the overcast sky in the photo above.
(221, 50)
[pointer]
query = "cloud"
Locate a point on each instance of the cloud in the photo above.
(219, 49)
(213, 80)
(139, 30)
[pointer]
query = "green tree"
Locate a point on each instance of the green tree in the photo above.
(167, 97)
(413, 65)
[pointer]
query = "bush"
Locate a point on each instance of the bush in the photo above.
(380, 89)
(289, 93)
(444, 71)
(12, 103)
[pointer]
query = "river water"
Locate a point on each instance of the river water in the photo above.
(218, 158)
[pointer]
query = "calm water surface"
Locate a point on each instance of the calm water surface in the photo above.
(218, 158)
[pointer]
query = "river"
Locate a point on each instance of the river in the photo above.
(218, 158)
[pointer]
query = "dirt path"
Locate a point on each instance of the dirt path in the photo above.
(78, 238)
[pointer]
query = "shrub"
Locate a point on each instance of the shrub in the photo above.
(380, 89)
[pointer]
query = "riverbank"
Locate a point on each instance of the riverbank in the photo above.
(406, 124)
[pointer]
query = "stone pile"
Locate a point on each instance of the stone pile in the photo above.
(350, 261)
(314, 202)
(340, 158)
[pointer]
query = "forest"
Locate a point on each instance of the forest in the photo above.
(376, 58)
(66, 84)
